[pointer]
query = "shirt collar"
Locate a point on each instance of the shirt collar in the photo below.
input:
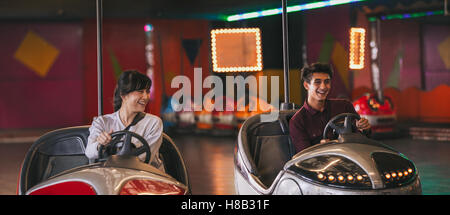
(311, 110)
(118, 119)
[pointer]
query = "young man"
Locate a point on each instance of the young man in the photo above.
(307, 125)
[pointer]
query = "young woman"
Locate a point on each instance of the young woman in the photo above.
(131, 96)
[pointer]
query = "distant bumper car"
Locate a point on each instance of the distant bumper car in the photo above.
(56, 165)
(186, 119)
(265, 162)
(381, 115)
(203, 118)
(224, 121)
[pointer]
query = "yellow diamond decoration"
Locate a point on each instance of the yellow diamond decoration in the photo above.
(36, 53)
(444, 52)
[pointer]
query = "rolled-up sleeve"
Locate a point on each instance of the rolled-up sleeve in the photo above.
(96, 128)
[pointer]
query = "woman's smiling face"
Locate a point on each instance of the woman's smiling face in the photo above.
(136, 101)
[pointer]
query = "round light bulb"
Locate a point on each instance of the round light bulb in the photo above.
(388, 176)
(320, 176)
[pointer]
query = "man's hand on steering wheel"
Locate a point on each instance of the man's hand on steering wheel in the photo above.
(324, 141)
(363, 124)
(344, 128)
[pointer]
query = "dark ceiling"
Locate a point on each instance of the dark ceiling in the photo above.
(205, 9)
(74, 9)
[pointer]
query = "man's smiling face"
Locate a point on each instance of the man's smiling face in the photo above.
(319, 86)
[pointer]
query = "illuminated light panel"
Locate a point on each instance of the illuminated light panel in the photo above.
(271, 12)
(357, 44)
(290, 9)
(251, 15)
(228, 53)
(408, 15)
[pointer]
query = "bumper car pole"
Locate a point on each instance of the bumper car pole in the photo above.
(286, 105)
(99, 15)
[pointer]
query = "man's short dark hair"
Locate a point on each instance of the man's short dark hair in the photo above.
(308, 70)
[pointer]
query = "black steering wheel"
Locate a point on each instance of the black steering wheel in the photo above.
(127, 147)
(346, 128)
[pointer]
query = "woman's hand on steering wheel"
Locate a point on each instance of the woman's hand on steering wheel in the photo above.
(104, 138)
(126, 147)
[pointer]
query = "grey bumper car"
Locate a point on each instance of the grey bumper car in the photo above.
(353, 164)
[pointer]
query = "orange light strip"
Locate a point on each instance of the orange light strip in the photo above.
(255, 68)
(357, 44)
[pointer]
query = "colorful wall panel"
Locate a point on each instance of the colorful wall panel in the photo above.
(400, 54)
(180, 46)
(41, 83)
(124, 47)
(327, 42)
(436, 49)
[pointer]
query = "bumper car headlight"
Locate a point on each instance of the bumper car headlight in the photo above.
(333, 170)
(396, 170)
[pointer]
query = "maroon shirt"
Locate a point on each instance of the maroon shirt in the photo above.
(307, 125)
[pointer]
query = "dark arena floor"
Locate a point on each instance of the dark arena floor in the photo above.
(209, 161)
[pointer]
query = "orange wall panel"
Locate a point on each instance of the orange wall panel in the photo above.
(435, 105)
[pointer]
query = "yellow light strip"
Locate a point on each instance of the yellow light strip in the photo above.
(257, 33)
(357, 44)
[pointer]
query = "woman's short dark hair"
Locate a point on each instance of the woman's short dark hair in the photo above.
(129, 81)
(308, 70)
